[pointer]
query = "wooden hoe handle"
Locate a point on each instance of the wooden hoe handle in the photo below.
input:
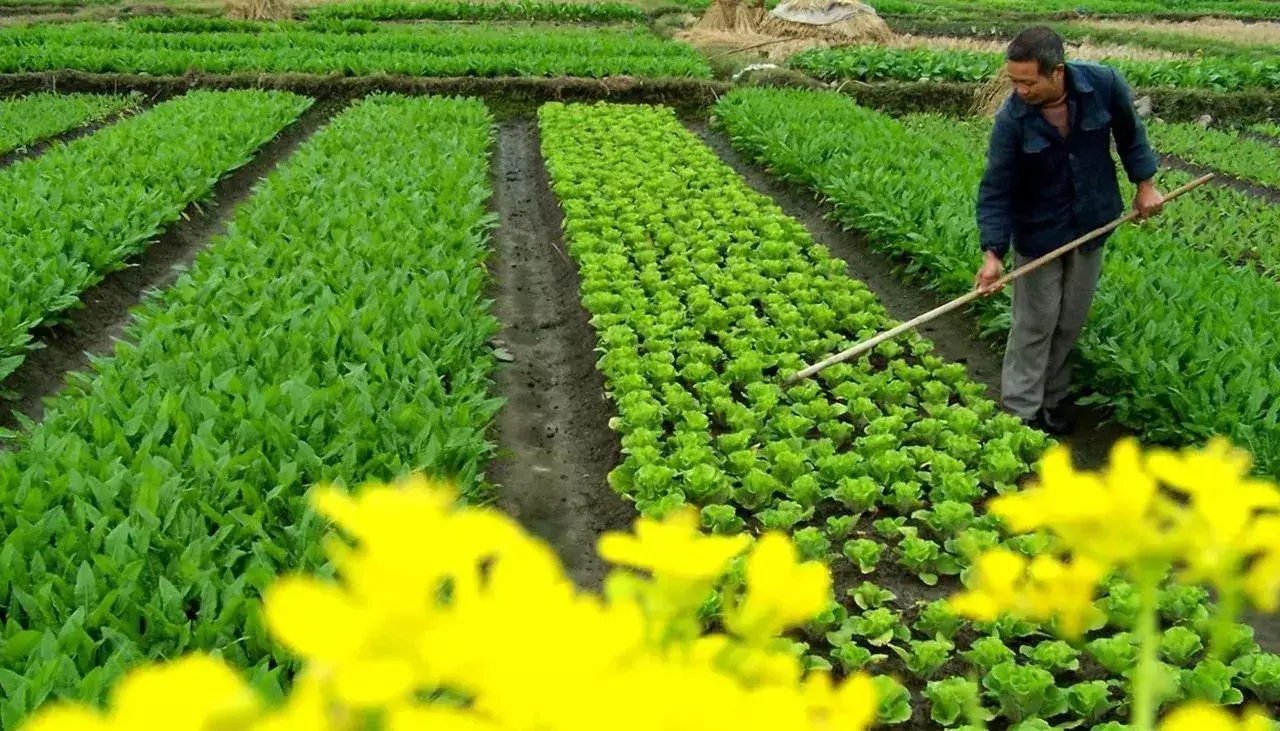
(973, 294)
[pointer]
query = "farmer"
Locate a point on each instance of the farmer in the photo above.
(1049, 179)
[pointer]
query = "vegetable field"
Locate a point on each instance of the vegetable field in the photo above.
(411, 50)
(875, 63)
(278, 274)
(38, 117)
(334, 333)
(1165, 375)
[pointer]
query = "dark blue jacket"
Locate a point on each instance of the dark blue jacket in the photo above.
(1041, 191)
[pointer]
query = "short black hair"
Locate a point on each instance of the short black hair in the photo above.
(1040, 44)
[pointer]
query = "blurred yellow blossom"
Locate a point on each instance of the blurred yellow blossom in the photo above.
(1044, 588)
(195, 693)
(781, 591)
(1201, 716)
(437, 601)
(673, 548)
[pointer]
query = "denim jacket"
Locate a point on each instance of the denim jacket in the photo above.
(1041, 191)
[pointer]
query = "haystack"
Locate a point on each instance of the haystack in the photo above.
(989, 97)
(834, 21)
(258, 9)
(739, 17)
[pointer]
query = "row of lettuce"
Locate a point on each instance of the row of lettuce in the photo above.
(337, 332)
(37, 117)
(1180, 345)
(415, 50)
(703, 294)
(881, 63)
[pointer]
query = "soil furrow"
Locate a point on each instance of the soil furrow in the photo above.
(37, 149)
(91, 329)
(954, 334)
(556, 446)
(1224, 180)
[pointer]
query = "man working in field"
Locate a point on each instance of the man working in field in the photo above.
(1049, 179)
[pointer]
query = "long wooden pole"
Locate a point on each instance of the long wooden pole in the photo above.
(972, 295)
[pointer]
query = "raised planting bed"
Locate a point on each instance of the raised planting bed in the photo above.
(336, 333)
(401, 49)
(82, 210)
(38, 117)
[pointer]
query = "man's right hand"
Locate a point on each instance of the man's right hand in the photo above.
(990, 273)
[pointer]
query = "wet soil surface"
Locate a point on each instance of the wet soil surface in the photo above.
(553, 433)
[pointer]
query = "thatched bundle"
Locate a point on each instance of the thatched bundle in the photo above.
(832, 21)
(835, 21)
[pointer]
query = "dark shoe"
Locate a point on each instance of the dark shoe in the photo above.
(1056, 421)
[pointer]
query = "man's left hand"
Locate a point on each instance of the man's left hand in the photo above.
(1149, 201)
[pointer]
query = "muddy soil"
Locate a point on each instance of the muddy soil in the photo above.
(555, 442)
(954, 334)
(104, 314)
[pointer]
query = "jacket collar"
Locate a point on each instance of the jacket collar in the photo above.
(1077, 84)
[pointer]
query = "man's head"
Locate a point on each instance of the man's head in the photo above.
(1036, 64)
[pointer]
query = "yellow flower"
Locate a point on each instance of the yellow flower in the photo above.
(196, 693)
(852, 705)
(999, 573)
(66, 717)
(1112, 517)
(673, 548)
(1043, 589)
(1224, 506)
(1064, 591)
(433, 596)
(781, 591)
(1201, 716)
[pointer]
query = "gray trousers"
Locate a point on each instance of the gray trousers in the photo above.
(1050, 306)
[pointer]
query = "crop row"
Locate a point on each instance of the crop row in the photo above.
(337, 332)
(1224, 150)
(1179, 343)
(40, 116)
(538, 10)
(79, 211)
(683, 269)
(1170, 8)
(1180, 39)
(876, 63)
(405, 49)
(216, 24)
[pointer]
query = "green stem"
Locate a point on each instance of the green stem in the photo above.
(1227, 610)
(1148, 631)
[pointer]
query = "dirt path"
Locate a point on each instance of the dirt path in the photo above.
(556, 447)
(105, 308)
(954, 334)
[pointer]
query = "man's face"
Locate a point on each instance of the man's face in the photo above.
(1034, 88)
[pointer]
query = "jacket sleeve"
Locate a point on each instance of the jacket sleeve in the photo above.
(995, 193)
(1135, 151)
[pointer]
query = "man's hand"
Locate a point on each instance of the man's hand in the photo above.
(1149, 201)
(989, 274)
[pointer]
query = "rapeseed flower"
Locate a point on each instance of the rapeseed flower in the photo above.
(432, 600)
